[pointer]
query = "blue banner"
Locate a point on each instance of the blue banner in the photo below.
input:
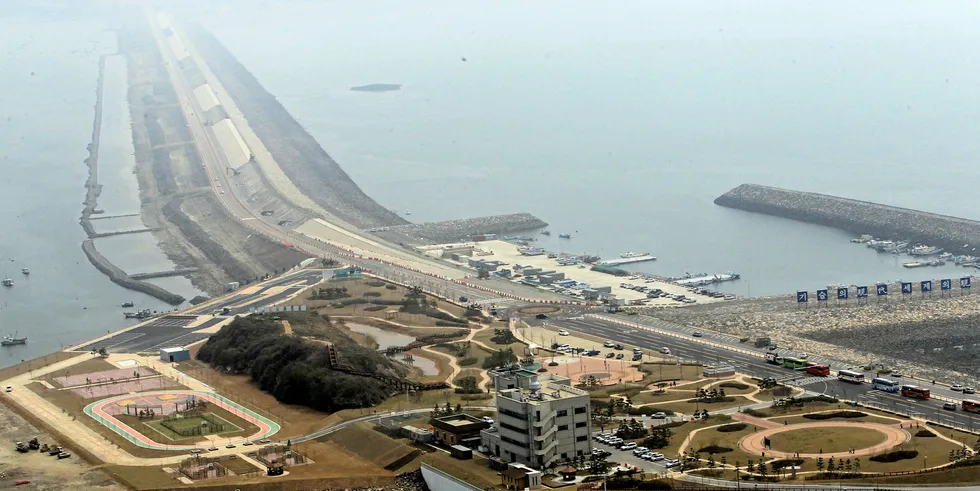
(802, 297)
(842, 294)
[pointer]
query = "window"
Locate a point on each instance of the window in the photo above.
(580, 424)
(562, 413)
(562, 427)
(564, 455)
(511, 427)
(582, 438)
(580, 410)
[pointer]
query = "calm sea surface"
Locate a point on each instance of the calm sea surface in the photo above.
(47, 95)
(616, 123)
(620, 123)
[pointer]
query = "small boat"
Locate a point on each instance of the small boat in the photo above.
(7, 282)
(546, 233)
(924, 250)
(9, 340)
(143, 314)
(25, 271)
(627, 255)
(914, 264)
(408, 213)
(127, 305)
(564, 236)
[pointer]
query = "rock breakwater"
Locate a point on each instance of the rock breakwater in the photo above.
(957, 235)
(462, 229)
(120, 277)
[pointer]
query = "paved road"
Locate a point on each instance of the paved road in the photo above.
(750, 361)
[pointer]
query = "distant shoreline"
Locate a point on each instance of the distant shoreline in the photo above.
(376, 88)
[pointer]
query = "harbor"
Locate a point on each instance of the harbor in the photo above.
(579, 277)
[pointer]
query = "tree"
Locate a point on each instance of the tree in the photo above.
(724, 461)
(597, 464)
(659, 438)
(763, 469)
(600, 420)
(751, 466)
(847, 465)
(721, 392)
(820, 464)
(711, 461)
(830, 465)
(857, 464)
(952, 455)
(840, 465)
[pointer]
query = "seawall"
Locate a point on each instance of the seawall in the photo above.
(120, 277)
(462, 229)
(299, 155)
(957, 235)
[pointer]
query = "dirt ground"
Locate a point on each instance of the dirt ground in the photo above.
(45, 472)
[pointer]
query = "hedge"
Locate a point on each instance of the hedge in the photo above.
(732, 427)
(835, 414)
(713, 449)
(895, 456)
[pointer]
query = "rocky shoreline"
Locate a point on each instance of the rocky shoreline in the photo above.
(956, 235)
(457, 230)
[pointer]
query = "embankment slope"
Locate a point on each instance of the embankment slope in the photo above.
(957, 235)
(302, 159)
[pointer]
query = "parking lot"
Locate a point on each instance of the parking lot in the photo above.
(164, 332)
(627, 457)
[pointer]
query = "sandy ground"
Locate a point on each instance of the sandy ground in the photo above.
(508, 253)
(44, 472)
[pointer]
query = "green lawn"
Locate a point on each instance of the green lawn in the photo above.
(829, 440)
(190, 423)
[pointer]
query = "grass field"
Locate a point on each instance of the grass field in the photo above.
(828, 440)
(865, 419)
(372, 446)
(190, 423)
(240, 466)
(688, 407)
(713, 437)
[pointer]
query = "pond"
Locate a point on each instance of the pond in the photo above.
(426, 365)
(385, 339)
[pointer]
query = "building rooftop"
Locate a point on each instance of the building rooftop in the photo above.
(459, 420)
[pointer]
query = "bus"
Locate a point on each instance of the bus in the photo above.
(915, 392)
(850, 376)
(885, 385)
(794, 363)
(818, 369)
(971, 406)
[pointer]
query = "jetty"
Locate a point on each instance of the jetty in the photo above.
(957, 235)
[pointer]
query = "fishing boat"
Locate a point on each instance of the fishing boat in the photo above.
(127, 305)
(913, 264)
(25, 271)
(9, 340)
(923, 250)
(564, 236)
(545, 233)
(143, 314)
(7, 282)
(627, 255)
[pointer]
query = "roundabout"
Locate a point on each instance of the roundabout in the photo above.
(821, 439)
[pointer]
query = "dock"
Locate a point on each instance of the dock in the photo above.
(628, 260)
(706, 279)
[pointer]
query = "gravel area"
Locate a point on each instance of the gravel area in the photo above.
(929, 338)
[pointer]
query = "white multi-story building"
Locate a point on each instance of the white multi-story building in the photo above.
(541, 419)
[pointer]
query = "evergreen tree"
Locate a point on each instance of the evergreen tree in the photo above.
(820, 464)
(751, 466)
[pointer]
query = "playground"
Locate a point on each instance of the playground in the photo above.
(179, 419)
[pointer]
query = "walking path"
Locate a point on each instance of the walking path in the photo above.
(894, 437)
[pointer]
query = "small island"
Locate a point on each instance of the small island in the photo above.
(377, 87)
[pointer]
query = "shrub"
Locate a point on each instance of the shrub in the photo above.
(465, 362)
(451, 324)
(482, 396)
(648, 410)
(734, 385)
(925, 433)
(755, 412)
(732, 427)
(714, 399)
(895, 456)
(391, 287)
(374, 308)
(337, 305)
(371, 294)
(375, 284)
(779, 464)
(835, 414)
(713, 449)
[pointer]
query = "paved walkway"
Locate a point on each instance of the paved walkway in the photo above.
(894, 437)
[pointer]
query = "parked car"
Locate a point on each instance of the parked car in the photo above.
(672, 463)
(563, 333)
(640, 450)
(628, 446)
(658, 415)
(619, 356)
(610, 354)
(609, 344)
(618, 346)
(8, 388)
(541, 316)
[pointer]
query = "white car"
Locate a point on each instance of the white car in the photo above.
(640, 450)
(802, 356)
(956, 387)
(658, 415)
(665, 350)
(628, 446)
(609, 344)
(563, 333)
(487, 419)
(8, 388)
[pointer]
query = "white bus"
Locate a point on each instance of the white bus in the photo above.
(885, 385)
(849, 376)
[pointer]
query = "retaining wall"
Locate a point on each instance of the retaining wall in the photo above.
(956, 235)
(120, 277)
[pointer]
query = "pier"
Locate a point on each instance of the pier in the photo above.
(123, 232)
(114, 216)
(957, 235)
(163, 274)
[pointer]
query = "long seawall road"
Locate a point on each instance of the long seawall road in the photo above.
(957, 235)
(372, 254)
